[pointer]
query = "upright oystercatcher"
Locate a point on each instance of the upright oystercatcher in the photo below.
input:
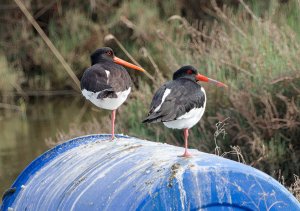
(180, 103)
(106, 83)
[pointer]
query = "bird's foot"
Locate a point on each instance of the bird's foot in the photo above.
(186, 154)
(113, 138)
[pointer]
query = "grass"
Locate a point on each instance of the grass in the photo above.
(10, 78)
(253, 48)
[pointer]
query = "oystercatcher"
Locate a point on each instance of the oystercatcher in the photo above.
(106, 83)
(180, 103)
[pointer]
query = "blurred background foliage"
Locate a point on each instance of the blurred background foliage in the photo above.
(253, 46)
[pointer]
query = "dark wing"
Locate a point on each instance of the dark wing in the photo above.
(184, 96)
(119, 78)
(95, 80)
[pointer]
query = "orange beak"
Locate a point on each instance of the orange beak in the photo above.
(127, 64)
(200, 77)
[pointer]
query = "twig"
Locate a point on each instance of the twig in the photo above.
(249, 10)
(18, 88)
(236, 150)
(10, 106)
(112, 37)
(44, 9)
(146, 54)
(236, 67)
(49, 43)
(220, 130)
(224, 17)
(295, 88)
(285, 78)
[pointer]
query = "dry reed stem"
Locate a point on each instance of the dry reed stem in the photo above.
(160, 77)
(44, 9)
(249, 10)
(221, 14)
(235, 150)
(112, 37)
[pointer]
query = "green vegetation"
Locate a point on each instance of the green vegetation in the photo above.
(253, 47)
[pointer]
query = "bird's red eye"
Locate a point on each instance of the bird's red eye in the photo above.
(190, 72)
(109, 53)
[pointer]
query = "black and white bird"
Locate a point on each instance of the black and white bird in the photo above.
(180, 103)
(106, 83)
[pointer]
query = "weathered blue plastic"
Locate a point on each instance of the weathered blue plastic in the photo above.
(90, 173)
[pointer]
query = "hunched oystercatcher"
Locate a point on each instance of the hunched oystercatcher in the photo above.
(180, 103)
(106, 83)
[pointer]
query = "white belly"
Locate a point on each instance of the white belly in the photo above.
(186, 121)
(107, 103)
(189, 119)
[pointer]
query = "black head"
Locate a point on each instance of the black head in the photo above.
(191, 73)
(102, 54)
(188, 72)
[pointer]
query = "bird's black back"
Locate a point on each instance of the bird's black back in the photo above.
(184, 96)
(95, 79)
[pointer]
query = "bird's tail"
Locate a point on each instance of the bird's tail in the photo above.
(152, 119)
(146, 120)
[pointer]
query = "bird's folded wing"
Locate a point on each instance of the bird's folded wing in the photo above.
(95, 79)
(178, 102)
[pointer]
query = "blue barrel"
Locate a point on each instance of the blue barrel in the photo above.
(93, 173)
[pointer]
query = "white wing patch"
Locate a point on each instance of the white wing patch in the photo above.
(107, 75)
(166, 93)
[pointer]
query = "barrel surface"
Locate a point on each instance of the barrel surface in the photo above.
(92, 173)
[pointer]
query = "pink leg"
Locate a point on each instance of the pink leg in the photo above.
(113, 117)
(186, 135)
